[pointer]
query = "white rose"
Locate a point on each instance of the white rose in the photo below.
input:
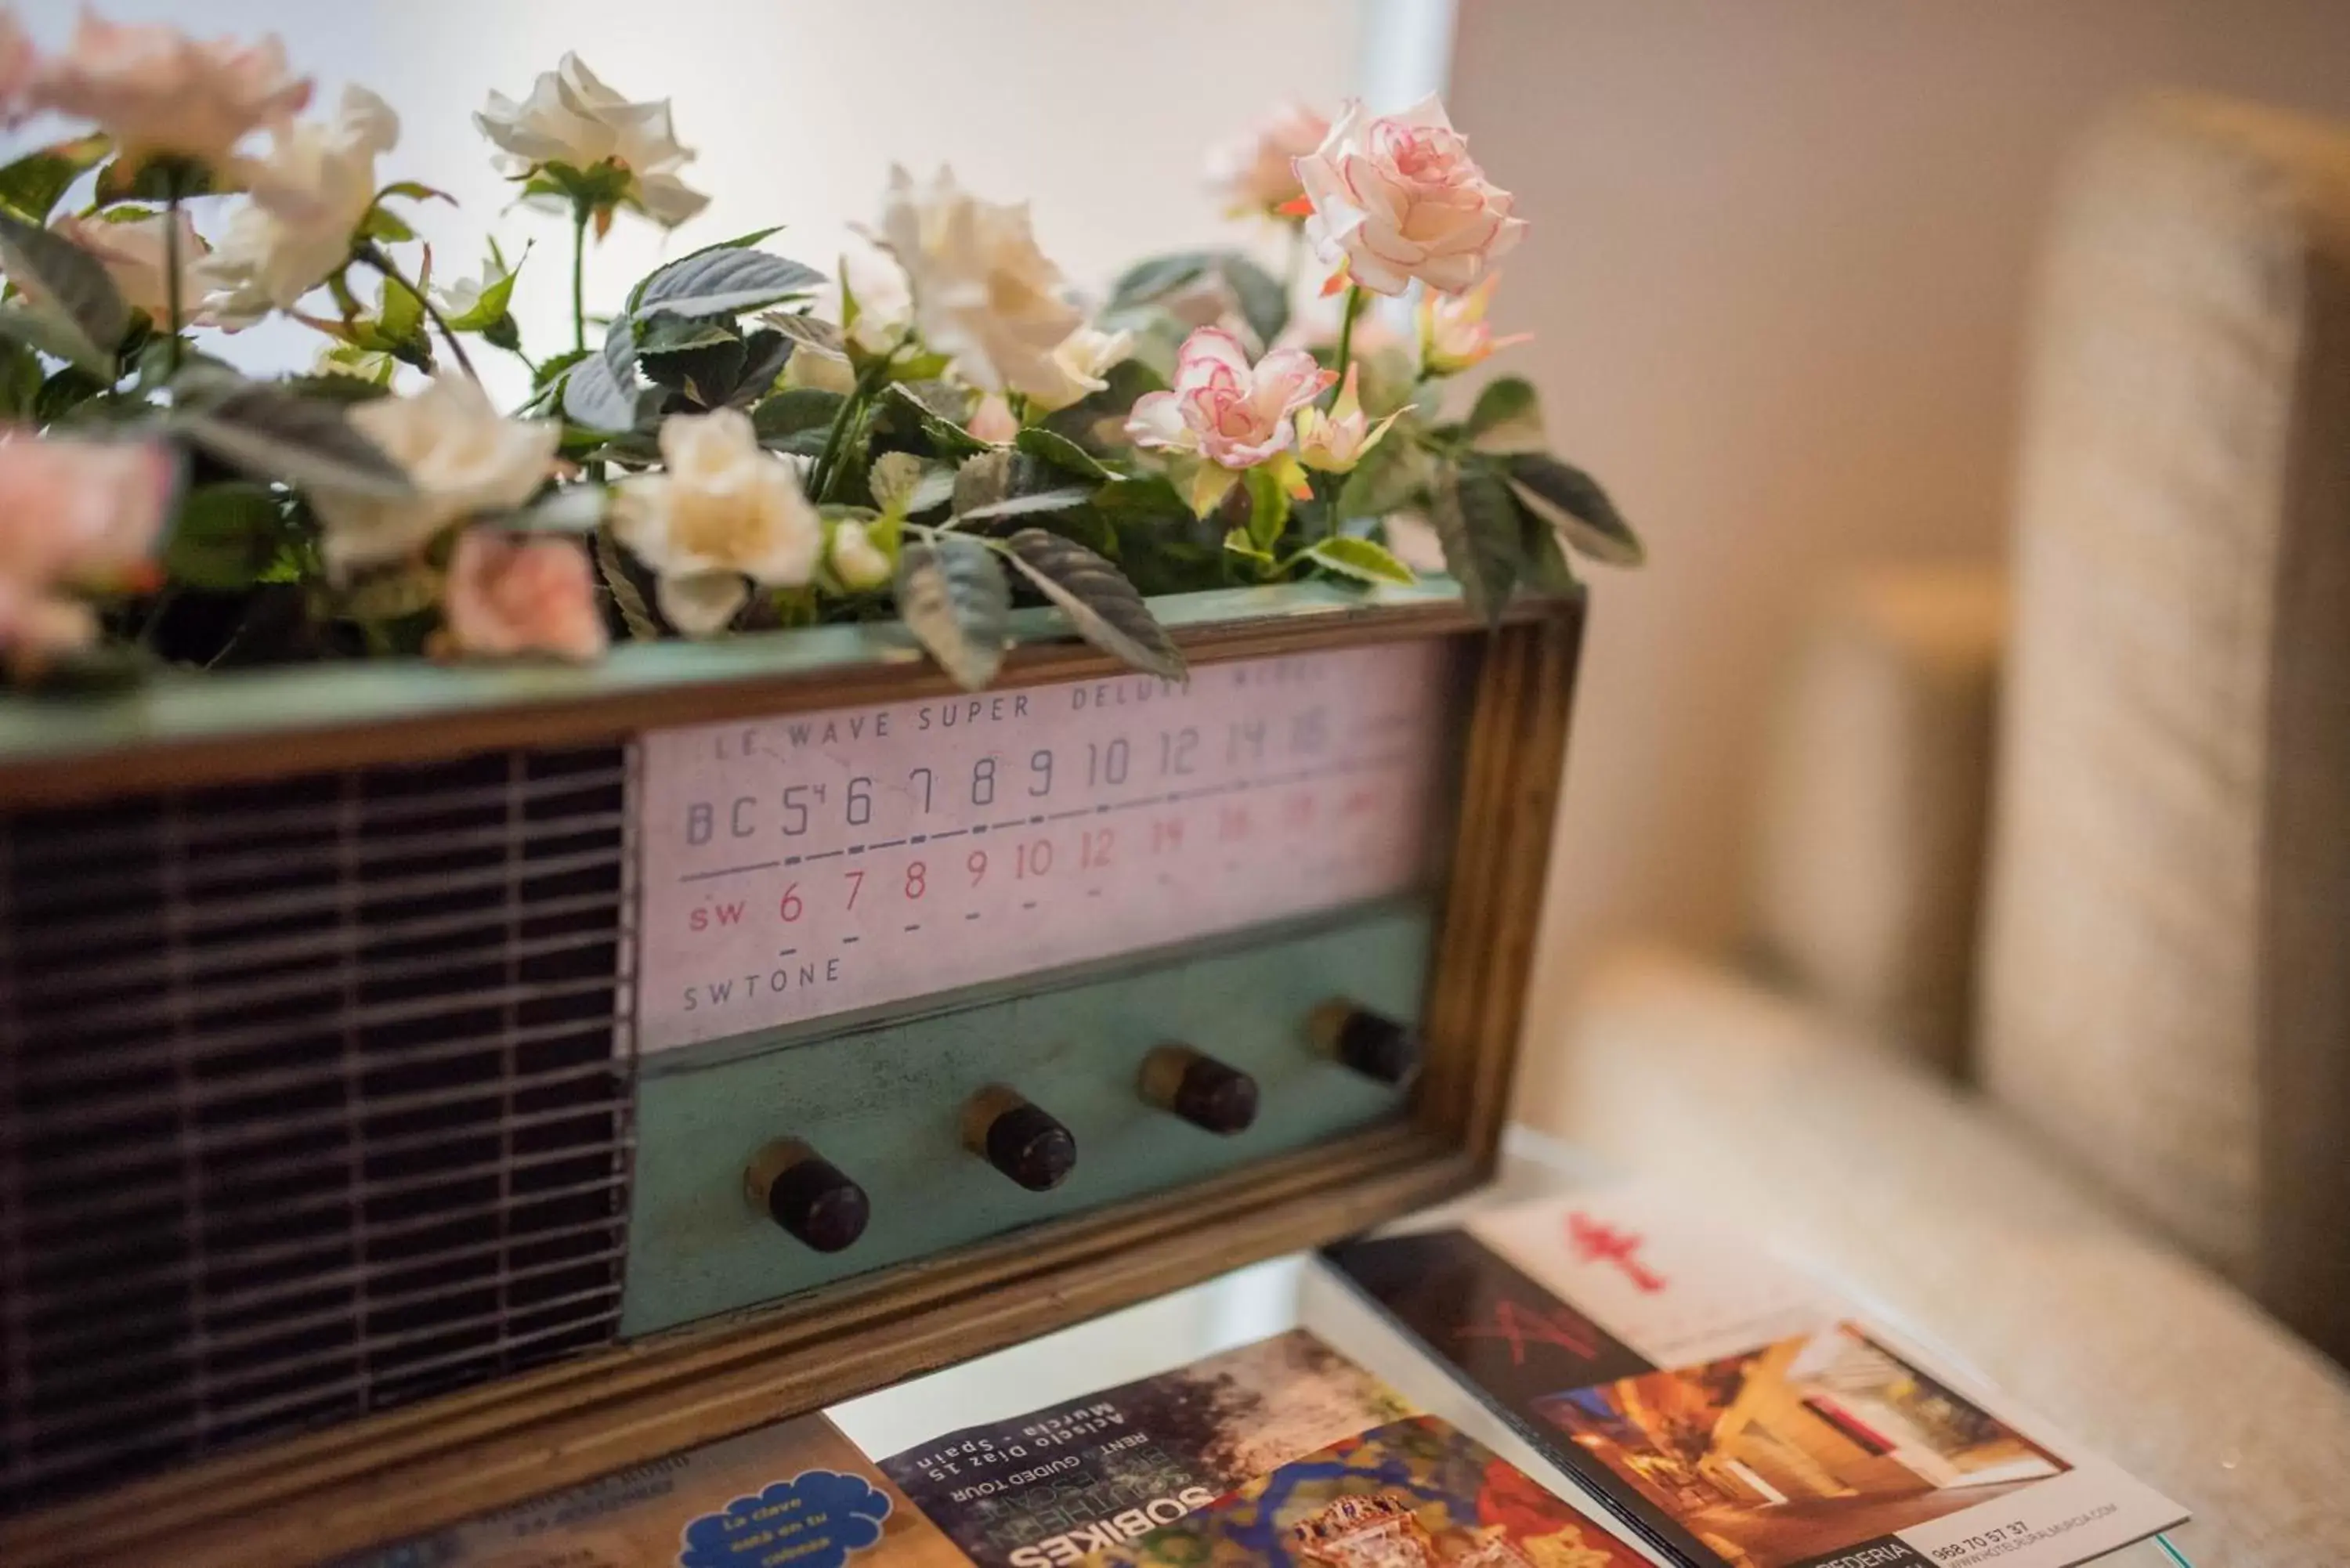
(1079, 364)
(573, 119)
(983, 294)
(885, 303)
(855, 559)
(136, 256)
(309, 196)
(723, 509)
(460, 453)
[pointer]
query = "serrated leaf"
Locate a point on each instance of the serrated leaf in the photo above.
(1507, 418)
(723, 282)
(1268, 507)
(739, 242)
(1361, 559)
(225, 536)
(555, 364)
(954, 597)
(822, 336)
(1100, 603)
(1028, 506)
(67, 282)
(1390, 477)
(797, 411)
(150, 180)
(765, 354)
(269, 432)
(947, 438)
(1571, 501)
(32, 184)
(601, 392)
(1046, 446)
(983, 479)
(1238, 543)
(903, 484)
(1262, 302)
(1478, 527)
(665, 332)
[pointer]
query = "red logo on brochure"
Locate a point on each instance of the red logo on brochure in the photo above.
(1596, 1241)
(1562, 1328)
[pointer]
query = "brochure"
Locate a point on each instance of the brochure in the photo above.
(1730, 1410)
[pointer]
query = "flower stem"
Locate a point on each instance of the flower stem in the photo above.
(1347, 329)
(172, 267)
(374, 256)
(827, 464)
(579, 277)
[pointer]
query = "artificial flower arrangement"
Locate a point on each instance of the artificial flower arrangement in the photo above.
(744, 442)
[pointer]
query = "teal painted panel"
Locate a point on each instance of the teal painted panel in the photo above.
(882, 1104)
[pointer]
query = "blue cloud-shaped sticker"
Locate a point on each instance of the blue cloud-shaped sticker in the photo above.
(813, 1520)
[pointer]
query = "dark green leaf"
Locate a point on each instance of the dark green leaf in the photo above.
(1062, 452)
(1149, 279)
(555, 364)
(1099, 602)
(225, 536)
(723, 282)
(904, 484)
(1507, 417)
(1026, 505)
(739, 242)
(806, 329)
(151, 179)
(32, 184)
(765, 354)
(1361, 559)
(1571, 501)
(1145, 501)
(1264, 303)
(794, 412)
(64, 392)
(947, 438)
(1546, 566)
(67, 282)
(953, 596)
(601, 393)
(20, 379)
(1479, 528)
(665, 332)
(1391, 476)
(269, 432)
(983, 479)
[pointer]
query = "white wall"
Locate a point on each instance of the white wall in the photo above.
(1778, 271)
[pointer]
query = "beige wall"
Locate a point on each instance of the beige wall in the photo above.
(1778, 271)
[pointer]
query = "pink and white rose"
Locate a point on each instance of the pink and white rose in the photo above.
(1257, 172)
(156, 90)
(1232, 413)
(508, 596)
(73, 514)
(136, 253)
(1397, 198)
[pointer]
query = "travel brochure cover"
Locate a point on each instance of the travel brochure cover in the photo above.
(1733, 1414)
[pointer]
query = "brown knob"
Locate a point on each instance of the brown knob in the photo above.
(1020, 1139)
(1199, 1088)
(1377, 1046)
(807, 1195)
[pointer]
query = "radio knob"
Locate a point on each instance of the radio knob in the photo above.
(1199, 1088)
(1020, 1139)
(807, 1195)
(1372, 1044)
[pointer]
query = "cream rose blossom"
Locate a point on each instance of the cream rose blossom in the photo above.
(983, 294)
(156, 90)
(136, 254)
(723, 509)
(506, 595)
(72, 513)
(461, 455)
(309, 196)
(573, 119)
(1078, 365)
(1257, 172)
(1398, 198)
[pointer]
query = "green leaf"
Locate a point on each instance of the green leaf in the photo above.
(724, 281)
(32, 184)
(1063, 453)
(151, 179)
(904, 484)
(808, 331)
(1571, 502)
(1479, 529)
(383, 223)
(415, 190)
(1546, 566)
(601, 393)
(953, 596)
(1507, 417)
(491, 306)
(1392, 475)
(739, 242)
(43, 330)
(271, 434)
(66, 281)
(947, 438)
(400, 315)
(1264, 303)
(1268, 507)
(555, 364)
(225, 536)
(20, 379)
(1026, 505)
(1238, 543)
(1149, 500)
(794, 411)
(665, 332)
(1099, 602)
(1361, 559)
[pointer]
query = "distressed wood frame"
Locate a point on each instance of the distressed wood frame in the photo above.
(305, 1499)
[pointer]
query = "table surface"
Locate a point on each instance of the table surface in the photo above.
(1253, 1304)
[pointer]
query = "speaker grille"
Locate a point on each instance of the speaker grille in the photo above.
(313, 1099)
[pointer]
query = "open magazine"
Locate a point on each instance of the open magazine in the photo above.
(1643, 1394)
(1729, 1410)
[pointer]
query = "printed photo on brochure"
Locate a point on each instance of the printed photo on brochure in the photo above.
(1730, 1410)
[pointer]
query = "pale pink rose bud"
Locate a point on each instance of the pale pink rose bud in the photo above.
(1257, 172)
(1336, 442)
(156, 90)
(508, 596)
(993, 419)
(1399, 198)
(1453, 334)
(73, 512)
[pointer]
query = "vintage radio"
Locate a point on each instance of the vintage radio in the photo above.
(423, 1087)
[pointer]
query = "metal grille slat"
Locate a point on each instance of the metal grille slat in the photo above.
(313, 1099)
